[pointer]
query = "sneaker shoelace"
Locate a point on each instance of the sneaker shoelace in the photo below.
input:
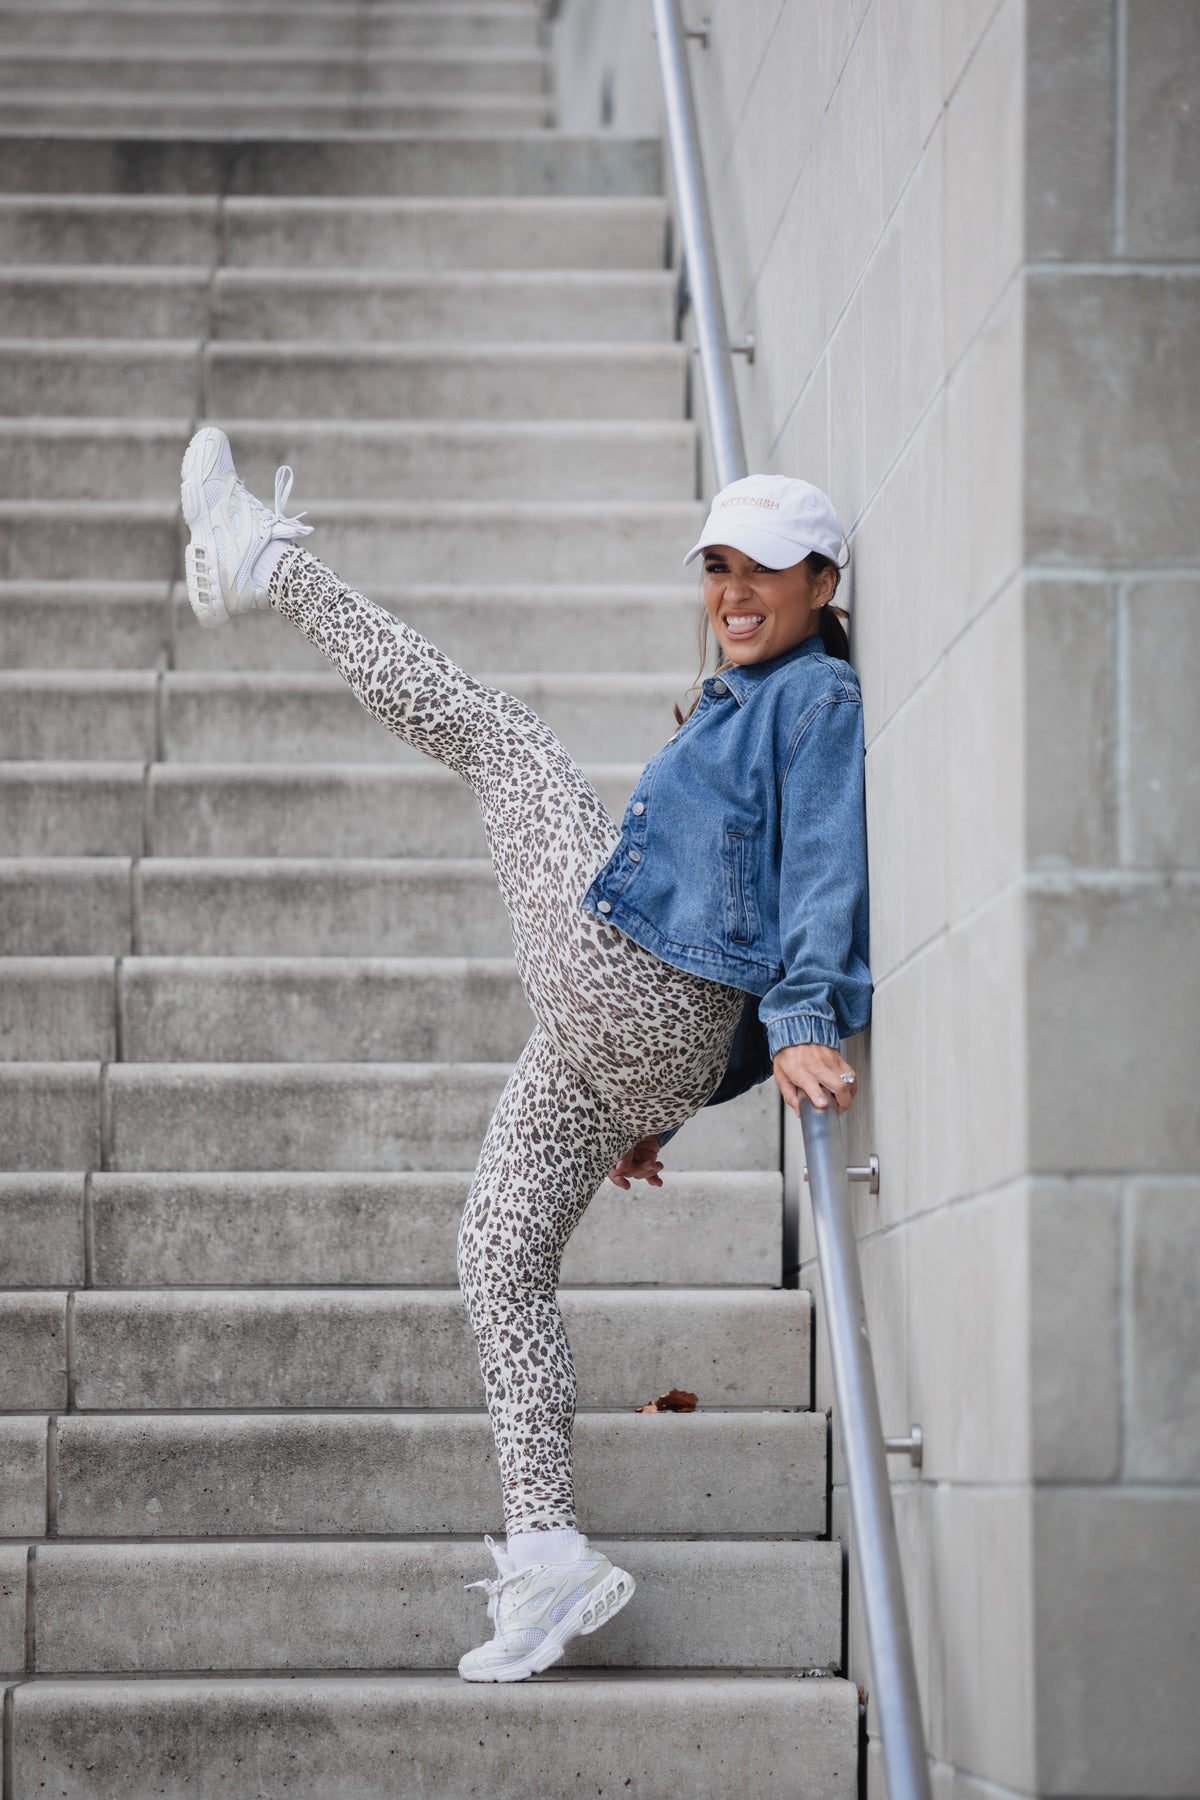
(494, 1585)
(283, 487)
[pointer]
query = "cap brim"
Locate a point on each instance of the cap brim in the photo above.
(752, 539)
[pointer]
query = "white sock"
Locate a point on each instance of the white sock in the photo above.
(267, 558)
(528, 1547)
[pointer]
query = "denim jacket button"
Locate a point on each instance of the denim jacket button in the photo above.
(605, 906)
(635, 856)
(638, 808)
(719, 687)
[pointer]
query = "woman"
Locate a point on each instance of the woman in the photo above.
(719, 935)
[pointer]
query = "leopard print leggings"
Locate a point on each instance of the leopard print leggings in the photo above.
(624, 1044)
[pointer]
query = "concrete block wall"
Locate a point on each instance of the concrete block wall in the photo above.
(966, 234)
(1112, 732)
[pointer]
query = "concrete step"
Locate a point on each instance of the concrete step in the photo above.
(69, 540)
(43, 1248)
(368, 810)
(277, 71)
(398, 1347)
(24, 1456)
(299, 1229)
(409, 235)
(49, 1119)
(66, 906)
(33, 1357)
(96, 376)
(133, 459)
(73, 809)
(80, 300)
(126, 809)
(370, 543)
(388, 1604)
(63, 906)
(347, 907)
(306, 1737)
(719, 1230)
(56, 1008)
(414, 235)
(439, 381)
(285, 718)
(147, 231)
(162, 379)
(168, 30)
(306, 1116)
(272, 718)
(260, 1009)
(128, 625)
(143, 112)
(158, 1475)
(93, 713)
(269, 718)
(559, 629)
(370, 305)
(44, 160)
(231, 1349)
(299, 8)
(114, 906)
(108, 625)
(77, 300)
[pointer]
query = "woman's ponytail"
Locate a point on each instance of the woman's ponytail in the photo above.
(833, 631)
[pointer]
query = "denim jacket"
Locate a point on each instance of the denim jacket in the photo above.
(743, 855)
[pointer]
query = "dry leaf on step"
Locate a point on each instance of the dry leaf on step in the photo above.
(678, 1400)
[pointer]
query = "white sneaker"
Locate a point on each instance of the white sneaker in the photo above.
(537, 1611)
(230, 528)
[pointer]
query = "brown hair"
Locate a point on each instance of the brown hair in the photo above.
(833, 632)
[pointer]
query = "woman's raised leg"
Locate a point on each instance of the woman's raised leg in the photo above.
(636, 1028)
(402, 678)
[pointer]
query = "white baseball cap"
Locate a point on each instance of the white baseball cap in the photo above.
(776, 519)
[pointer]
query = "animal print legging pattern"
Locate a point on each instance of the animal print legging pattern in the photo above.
(624, 1044)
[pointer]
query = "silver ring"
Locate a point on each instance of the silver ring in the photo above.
(849, 1077)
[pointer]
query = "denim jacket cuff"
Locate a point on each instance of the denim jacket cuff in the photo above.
(802, 1028)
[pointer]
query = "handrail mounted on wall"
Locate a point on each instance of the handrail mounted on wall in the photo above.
(695, 226)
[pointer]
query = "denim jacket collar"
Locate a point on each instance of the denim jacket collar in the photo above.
(740, 679)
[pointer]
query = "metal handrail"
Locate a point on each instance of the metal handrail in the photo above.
(695, 225)
(889, 1636)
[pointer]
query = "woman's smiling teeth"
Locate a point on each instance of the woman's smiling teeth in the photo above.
(743, 624)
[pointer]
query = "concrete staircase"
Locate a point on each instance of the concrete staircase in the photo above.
(257, 997)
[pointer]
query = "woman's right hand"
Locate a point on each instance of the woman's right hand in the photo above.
(816, 1071)
(639, 1164)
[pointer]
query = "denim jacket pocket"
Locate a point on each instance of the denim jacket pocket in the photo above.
(741, 903)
